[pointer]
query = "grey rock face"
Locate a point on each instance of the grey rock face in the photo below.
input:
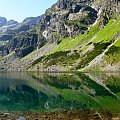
(23, 43)
(12, 22)
(3, 21)
(67, 18)
(32, 20)
(19, 37)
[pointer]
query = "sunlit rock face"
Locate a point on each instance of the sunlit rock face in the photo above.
(77, 15)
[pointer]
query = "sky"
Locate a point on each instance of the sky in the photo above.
(20, 9)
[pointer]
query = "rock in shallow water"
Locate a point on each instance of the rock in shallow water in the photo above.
(21, 118)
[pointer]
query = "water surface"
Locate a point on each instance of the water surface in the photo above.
(34, 91)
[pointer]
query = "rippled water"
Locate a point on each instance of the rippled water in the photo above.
(34, 91)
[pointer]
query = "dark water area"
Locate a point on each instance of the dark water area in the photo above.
(50, 92)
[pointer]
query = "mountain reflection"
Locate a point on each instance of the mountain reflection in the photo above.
(34, 91)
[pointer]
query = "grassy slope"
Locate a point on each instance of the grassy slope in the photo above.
(110, 35)
(79, 52)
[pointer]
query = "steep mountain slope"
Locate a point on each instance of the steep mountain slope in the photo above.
(85, 35)
(6, 26)
(94, 50)
(16, 36)
(67, 18)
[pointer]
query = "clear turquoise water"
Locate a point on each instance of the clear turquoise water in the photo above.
(34, 91)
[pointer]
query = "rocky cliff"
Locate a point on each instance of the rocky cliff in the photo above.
(19, 37)
(67, 18)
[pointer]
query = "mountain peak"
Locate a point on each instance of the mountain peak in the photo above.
(11, 22)
(3, 21)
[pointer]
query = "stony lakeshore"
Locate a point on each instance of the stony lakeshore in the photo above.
(61, 115)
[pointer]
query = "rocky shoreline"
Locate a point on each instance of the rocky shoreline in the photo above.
(61, 115)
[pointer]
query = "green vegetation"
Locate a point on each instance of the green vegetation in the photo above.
(82, 40)
(112, 56)
(89, 56)
(76, 23)
(109, 32)
(79, 52)
(117, 43)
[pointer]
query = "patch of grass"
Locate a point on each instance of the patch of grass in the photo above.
(62, 44)
(63, 58)
(38, 60)
(112, 56)
(117, 44)
(76, 23)
(90, 55)
(109, 32)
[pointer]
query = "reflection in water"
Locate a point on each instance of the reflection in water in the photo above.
(26, 91)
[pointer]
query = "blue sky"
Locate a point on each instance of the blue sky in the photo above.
(20, 9)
